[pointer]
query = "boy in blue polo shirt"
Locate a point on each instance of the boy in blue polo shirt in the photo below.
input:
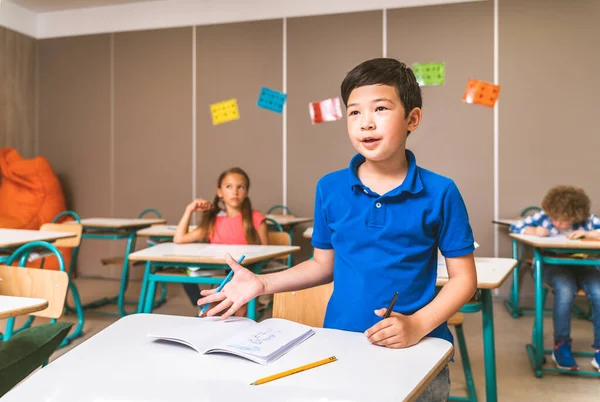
(378, 225)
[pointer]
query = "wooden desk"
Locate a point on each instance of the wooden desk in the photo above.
(12, 306)
(504, 222)
(307, 234)
(201, 255)
(133, 367)
(10, 239)
(116, 229)
(491, 274)
(162, 231)
(544, 252)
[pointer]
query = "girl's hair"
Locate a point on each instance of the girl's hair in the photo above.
(567, 202)
(207, 222)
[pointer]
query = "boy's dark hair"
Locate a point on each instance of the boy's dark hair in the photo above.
(385, 71)
(568, 203)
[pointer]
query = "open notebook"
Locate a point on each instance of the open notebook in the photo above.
(262, 342)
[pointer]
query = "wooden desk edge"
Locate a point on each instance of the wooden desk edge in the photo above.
(203, 260)
(418, 390)
(24, 310)
(20, 243)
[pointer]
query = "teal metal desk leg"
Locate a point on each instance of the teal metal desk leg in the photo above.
(125, 273)
(535, 350)
(142, 299)
(512, 305)
(538, 336)
(491, 389)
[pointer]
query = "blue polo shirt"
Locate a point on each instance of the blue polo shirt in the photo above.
(387, 243)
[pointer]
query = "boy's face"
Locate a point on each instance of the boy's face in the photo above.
(561, 224)
(377, 125)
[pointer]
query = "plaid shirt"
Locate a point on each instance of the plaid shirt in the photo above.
(541, 219)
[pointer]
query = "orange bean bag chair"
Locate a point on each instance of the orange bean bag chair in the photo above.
(30, 195)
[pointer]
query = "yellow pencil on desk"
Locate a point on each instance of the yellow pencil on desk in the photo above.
(294, 370)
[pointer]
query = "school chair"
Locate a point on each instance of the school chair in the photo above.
(305, 306)
(276, 238)
(38, 283)
(21, 353)
(283, 209)
(69, 243)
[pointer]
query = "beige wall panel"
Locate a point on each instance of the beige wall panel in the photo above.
(455, 139)
(321, 50)
(74, 129)
(235, 61)
(17, 92)
(153, 122)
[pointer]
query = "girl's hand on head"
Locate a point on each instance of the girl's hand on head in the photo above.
(397, 331)
(244, 287)
(199, 204)
(577, 234)
(541, 231)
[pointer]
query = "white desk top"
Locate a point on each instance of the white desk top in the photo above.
(203, 253)
(12, 306)
(491, 272)
(17, 237)
(161, 230)
(122, 363)
(307, 234)
(504, 222)
(285, 221)
(117, 223)
(559, 241)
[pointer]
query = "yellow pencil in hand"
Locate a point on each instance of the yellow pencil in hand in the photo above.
(294, 370)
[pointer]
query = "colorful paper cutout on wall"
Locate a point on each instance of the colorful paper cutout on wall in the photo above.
(481, 93)
(325, 110)
(225, 111)
(430, 74)
(271, 100)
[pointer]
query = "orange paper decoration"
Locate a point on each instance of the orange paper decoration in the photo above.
(481, 92)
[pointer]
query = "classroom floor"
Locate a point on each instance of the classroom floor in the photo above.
(516, 381)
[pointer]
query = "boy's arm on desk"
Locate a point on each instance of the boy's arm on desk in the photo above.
(460, 288)
(401, 331)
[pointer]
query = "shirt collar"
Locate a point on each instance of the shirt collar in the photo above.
(412, 182)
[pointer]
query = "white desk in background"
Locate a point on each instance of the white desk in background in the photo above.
(116, 229)
(10, 239)
(200, 255)
(121, 363)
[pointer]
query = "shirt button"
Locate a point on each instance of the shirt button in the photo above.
(378, 205)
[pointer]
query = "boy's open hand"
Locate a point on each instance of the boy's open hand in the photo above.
(199, 204)
(397, 331)
(244, 287)
(541, 231)
(579, 234)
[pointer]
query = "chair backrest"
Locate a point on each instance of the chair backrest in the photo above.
(283, 208)
(529, 211)
(69, 242)
(304, 306)
(280, 239)
(37, 283)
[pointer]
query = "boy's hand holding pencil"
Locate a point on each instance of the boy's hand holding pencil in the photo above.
(243, 287)
(395, 330)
